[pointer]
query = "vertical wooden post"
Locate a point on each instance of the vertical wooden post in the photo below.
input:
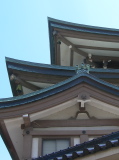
(72, 141)
(27, 139)
(71, 57)
(27, 144)
(83, 138)
(40, 146)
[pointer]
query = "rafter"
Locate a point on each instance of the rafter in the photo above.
(88, 36)
(68, 43)
(73, 123)
(97, 48)
(42, 78)
(26, 84)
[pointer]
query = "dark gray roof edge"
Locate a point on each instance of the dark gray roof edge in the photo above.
(22, 62)
(101, 70)
(63, 83)
(81, 25)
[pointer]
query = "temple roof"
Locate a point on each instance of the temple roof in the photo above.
(101, 43)
(81, 77)
(38, 76)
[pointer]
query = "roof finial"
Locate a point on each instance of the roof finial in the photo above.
(84, 68)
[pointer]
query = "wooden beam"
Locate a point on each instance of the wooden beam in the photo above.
(36, 77)
(26, 119)
(97, 48)
(74, 123)
(27, 146)
(68, 43)
(71, 132)
(84, 138)
(26, 84)
(89, 36)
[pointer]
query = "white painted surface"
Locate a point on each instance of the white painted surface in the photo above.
(76, 140)
(51, 111)
(42, 85)
(65, 54)
(26, 90)
(94, 43)
(104, 106)
(78, 59)
(35, 147)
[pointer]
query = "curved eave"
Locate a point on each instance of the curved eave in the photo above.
(80, 78)
(48, 69)
(54, 24)
(110, 31)
(31, 67)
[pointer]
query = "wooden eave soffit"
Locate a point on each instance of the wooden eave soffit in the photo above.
(76, 48)
(24, 83)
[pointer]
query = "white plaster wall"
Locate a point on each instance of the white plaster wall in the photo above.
(65, 54)
(26, 90)
(76, 140)
(99, 113)
(78, 59)
(35, 141)
(64, 114)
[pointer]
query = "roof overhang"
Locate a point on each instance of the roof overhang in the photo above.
(101, 43)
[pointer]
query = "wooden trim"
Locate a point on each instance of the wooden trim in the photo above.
(26, 119)
(24, 83)
(58, 53)
(71, 141)
(27, 84)
(97, 48)
(36, 77)
(71, 57)
(39, 146)
(68, 43)
(74, 123)
(89, 36)
(27, 145)
(71, 132)
(7, 140)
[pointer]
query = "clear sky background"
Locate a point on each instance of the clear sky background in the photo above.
(24, 30)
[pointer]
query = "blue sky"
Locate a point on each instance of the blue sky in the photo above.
(24, 30)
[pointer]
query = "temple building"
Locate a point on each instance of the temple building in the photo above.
(68, 110)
